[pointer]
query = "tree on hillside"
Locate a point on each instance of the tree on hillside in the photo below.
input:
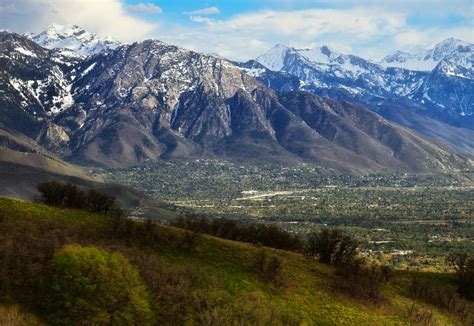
(89, 286)
(463, 264)
(67, 195)
(100, 202)
(331, 246)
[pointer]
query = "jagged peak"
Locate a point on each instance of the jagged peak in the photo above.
(75, 38)
(452, 43)
(274, 58)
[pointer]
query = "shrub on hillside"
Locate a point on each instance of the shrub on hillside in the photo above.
(219, 308)
(26, 249)
(463, 264)
(361, 281)
(269, 268)
(89, 286)
(171, 285)
(189, 240)
(331, 246)
(417, 316)
(442, 297)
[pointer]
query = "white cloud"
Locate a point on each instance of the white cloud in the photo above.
(371, 31)
(145, 8)
(204, 11)
(417, 40)
(104, 17)
(200, 19)
(246, 36)
(366, 31)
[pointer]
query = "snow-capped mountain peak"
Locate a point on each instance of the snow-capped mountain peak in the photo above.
(398, 56)
(274, 58)
(448, 47)
(74, 38)
(321, 54)
(454, 50)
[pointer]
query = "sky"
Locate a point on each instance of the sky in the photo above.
(243, 29)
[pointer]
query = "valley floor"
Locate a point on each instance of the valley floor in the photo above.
(411, 221)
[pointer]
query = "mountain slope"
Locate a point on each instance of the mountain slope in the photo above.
(460, 139)
(35, 87)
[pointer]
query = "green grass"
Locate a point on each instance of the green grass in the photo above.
(224, 271)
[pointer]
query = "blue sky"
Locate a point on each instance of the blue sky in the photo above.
(244, 29)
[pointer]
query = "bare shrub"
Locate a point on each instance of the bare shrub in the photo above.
(270, 268)
(331, 246)
(14, 316)
(417, 316)
(171, 286)
(219, 308)
(189, 240)
(360, 281)
(442, 297)
(25, 251)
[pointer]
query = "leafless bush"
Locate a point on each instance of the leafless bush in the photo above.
(269, 268)
(171, 286)
(442, 297)
(417, 316)
(331, 246)
(189, 240)
(361, 281)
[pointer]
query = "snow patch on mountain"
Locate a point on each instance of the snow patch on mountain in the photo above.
(25, 51)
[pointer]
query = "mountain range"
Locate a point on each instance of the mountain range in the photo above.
(437, 83)
(92, 101)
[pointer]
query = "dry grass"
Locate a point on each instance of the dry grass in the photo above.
(15, 316)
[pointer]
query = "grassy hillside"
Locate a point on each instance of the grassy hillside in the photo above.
(198, 280)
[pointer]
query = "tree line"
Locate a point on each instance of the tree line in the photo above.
(267, 235)
(68, 195)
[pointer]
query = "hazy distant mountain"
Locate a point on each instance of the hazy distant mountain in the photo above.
(152, 100)
(455, 51)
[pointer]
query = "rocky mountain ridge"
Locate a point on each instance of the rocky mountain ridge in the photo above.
(442, 92)
(151, 100)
